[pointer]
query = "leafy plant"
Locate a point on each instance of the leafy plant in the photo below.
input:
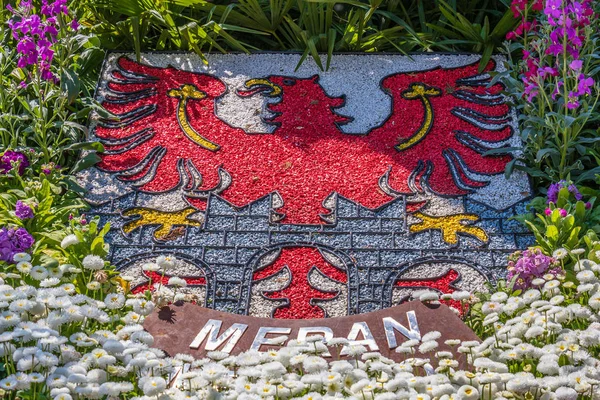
(312, 27)
(568, 224)
(480, 36)
(555, 90)
(44, 190)
(43, 101)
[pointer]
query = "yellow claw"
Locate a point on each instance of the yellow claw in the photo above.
(166, 221)
(450, 225)
(185, 93)
(422, 92)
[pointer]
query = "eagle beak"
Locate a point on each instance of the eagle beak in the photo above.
(264, 86)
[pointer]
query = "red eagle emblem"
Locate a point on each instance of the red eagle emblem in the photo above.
(169, 137)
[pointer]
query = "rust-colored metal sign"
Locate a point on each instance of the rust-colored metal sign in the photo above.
(191, 329)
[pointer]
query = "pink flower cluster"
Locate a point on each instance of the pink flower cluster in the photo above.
(520, 10)
(567, 20)
(530, 264)
(36, 34)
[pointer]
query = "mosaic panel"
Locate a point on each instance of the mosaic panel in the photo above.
(306, 194)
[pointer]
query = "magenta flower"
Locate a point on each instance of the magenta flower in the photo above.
(572, 101)
(585, 84)
(547, 71)
(553, 8)
(576, 65)
(11, 158)
(555, 49)
(531, 90)
(548, 211)
(556, 91)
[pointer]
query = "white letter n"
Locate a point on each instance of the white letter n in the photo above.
(390, 324)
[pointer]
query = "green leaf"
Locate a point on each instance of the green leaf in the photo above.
(573, 240)
(580, 211)
(85, 162)
(500, 150)
(69, 84)
(567, 223)
(510, 166)
(96, 146)
(135, 27)
(552, 232)
(48, 261)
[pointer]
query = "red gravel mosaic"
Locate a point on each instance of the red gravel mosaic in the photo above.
(300, 294)
(444, 284)
(307, 157)
(168, 137)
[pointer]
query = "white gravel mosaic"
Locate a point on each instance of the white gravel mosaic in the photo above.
(227, 244)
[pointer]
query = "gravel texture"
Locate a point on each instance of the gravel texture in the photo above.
(373, 248)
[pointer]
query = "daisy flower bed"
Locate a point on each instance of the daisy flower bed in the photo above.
(59, 343)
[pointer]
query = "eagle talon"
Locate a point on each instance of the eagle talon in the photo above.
(450, 225)
(167, 221)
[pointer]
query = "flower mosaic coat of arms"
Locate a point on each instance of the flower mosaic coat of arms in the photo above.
(305, 194)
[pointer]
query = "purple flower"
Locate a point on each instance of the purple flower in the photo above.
(23, 211)
(553, 8)
(554, 189)
(573, 189)
(529, 265)
(11, 157)
(585, 85)
(12, 241)
(23, 240)
(588, 205)
(36, 35)
(553, 192)
(576, 65)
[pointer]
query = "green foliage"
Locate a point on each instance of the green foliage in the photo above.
(479, 37)
(566, 228)
(50, 198)
(88, 239)
(56, 210)
(562, 141)
(311, 27)
(46, 114)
